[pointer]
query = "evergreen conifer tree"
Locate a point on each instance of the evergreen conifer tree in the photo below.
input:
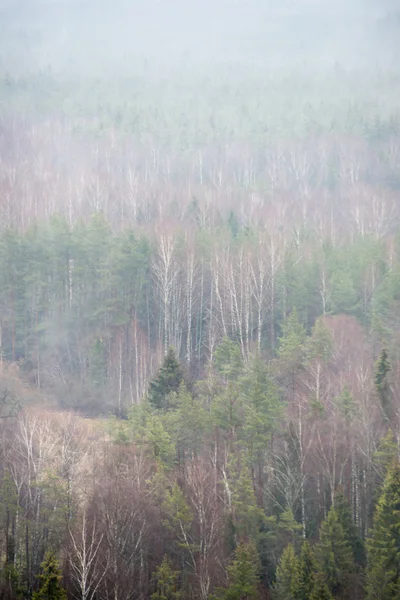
(286, 574)
(262, 406)
(169, 378)
(343, 511)
(166, 581)
(320, 590)
(190, 422)
(383, 569)
(246, 515)
(228, 360)
(334, 554)
(50, 577)
(320, 343)
(304, 574)
(98, 368)
(385, 454)
(242, 574)
(291, 342)
(382, 369)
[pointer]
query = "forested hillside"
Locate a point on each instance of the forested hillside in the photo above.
(199, 300)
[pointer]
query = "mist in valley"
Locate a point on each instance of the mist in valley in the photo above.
(199, 299)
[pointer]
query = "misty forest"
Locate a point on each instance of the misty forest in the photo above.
(199, 300)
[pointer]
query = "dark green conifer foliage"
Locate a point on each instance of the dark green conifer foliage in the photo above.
(383, 569)
(334, 554)
(386, 453)
(291, 342)
(346, 405)
(343, 295)
(343, 511)
(190, 421)
(159, 440)
(168, 379)
(242, 574)
(286, 573)
(276, 532)
(50, 578)
(228, 360)
(305, 573)
(246, 515)
(98, 367)
(382, 369)
(166, 582)
(262, 406)
(320, 343)
(320, 590)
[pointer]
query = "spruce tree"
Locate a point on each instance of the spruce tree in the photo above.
(275, 535)
(383, 569)
(262, 407)
(285, 575)
(385, 455)
(169, 378)
(50, 577)
(334, 554)
(343, 511)
(320, 590)
(242, 574)
(166, 582)
(304, 575)
(291, 352)
(246, 515)
(382, 369)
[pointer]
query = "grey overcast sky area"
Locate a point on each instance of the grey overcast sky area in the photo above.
(92, 37)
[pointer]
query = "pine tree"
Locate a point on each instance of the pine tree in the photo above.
(169, 378)
(334, 554)
(51, 580)
(228, 360)
(286, 572)
(383, 569)
(189, 421)
(159, 440)
(304, 575)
